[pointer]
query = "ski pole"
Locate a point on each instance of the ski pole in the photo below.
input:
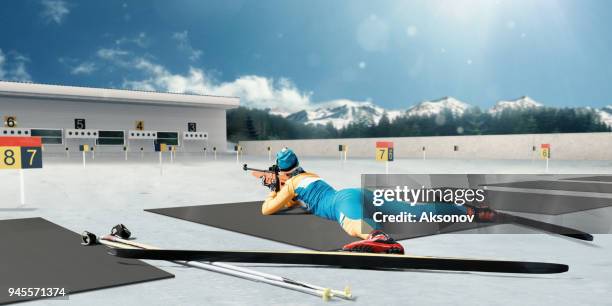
(120, 231)
(115, 242)
(345, 294)
(326, 293)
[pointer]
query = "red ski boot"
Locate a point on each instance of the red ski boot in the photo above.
(377, 242)
(482, 214)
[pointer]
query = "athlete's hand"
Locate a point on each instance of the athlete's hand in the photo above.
(268, 180)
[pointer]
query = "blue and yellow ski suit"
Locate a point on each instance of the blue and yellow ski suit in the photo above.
(343, 206)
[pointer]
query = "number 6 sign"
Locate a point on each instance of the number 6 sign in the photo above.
(10, 121)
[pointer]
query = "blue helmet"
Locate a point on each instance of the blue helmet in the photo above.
(286, 159)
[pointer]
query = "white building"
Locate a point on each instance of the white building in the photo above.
(113, 120)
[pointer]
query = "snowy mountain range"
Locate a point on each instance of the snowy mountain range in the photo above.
(605, 114)
(433, 108)
(342, 112)
(518, 104)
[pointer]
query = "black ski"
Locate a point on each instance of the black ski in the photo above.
(544, 226)
(348, 260)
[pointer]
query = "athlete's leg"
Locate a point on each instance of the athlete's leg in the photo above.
(348, 204)
(351, 216)
(356, 228)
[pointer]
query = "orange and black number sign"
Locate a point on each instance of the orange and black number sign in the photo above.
(20, 152)
(140, 125)
(545, 150)
(384, 151)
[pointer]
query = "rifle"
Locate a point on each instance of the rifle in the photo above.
(270, 176)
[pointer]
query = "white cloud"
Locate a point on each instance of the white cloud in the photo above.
(141, 40)
(160, 78)
(362, 65)
(83, 68)
(14, 70)
(54, 10)
(20, 73)
(184, 44)
(195, 55)
(261, 92)
(254, 91)
(110, 54)
(78, 67)
(280, 95)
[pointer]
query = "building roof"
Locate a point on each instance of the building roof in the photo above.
(92, 94)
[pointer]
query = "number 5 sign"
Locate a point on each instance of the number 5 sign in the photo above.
(20, 152)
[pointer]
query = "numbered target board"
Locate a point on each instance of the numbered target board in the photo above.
(545, 150)
(10, 121)
(384, 150)
(140, 125)
(20, 152)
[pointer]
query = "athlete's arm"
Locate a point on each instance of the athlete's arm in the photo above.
(277, 201)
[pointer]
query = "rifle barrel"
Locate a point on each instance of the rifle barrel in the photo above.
(258, 170)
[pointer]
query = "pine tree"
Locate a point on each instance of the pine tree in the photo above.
(244, 123)
(383, 129)
(250, 127)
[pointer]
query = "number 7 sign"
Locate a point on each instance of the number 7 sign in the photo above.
(384, 150)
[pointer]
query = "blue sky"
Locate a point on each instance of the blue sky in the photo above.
(291, 54)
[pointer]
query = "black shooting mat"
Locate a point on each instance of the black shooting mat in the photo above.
(541, 203)
(599, 178)
(37, 253)
(559, 185)
(549, 203)
(295, 227)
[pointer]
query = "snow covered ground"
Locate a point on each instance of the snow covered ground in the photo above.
(111, 191)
